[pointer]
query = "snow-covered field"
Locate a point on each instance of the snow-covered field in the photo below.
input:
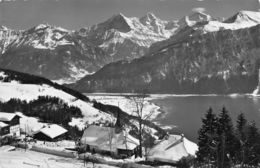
(29, 159)
(126, 104)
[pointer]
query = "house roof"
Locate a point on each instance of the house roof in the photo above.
(52, 130)
(172, 149)
(127, 142)
(106, 138)
(7, 116)
(3, 124)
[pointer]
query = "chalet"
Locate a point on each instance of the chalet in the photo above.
(13, 122)
(109, 140)
(4, 129)
(50, 132)
(172, 149)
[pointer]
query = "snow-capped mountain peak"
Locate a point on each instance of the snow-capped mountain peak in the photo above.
(242, 19)
(46, 36)
(244, 16)
(149, 17)
(194, 18)
(128, 37)
(42, 26)
(118, 22)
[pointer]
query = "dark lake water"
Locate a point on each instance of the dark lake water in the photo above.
(185, 112)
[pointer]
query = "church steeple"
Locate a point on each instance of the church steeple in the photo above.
(118, 124)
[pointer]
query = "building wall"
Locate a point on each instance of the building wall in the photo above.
(43, 137)
(125, 152)
(117, 152)
(15, 121)
(14, 126)
(4, 131)
(15, 130)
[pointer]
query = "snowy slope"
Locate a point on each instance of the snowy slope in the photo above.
(28, 87)
(28, 92)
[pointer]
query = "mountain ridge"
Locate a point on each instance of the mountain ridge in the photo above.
(68, 55)
(191, 61)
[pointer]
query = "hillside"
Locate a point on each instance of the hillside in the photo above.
(198, 59)
(30, 88)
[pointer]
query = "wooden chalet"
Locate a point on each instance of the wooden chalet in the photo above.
(51, 132)
(109, 140)
(12, 122)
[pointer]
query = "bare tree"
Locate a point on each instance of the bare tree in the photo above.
(111, 131)
(138, 101)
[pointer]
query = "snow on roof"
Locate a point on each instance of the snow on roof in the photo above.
(53, 130)
(105, 138)
(3, 124)
(6, 116)
(29, 125)
(127, 142)
(172, 149)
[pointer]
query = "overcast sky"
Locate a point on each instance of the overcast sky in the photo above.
(74, 14)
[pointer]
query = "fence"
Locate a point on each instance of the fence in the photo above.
(54, 152)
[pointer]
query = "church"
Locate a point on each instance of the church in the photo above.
(113, 141)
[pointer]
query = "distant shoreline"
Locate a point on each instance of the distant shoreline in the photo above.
(158, 96)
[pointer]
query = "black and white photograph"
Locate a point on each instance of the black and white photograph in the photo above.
(129, 83)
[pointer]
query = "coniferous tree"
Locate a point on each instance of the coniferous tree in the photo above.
(253, 145)
(226, 139)
(241, 126)
(241, 129)
(207, 138)
(241, 147)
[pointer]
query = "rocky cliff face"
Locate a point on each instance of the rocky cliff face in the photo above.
(205, 57)
(7, 36)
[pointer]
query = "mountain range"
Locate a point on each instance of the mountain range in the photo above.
(195, 54)
(204, 55)
(68, 55)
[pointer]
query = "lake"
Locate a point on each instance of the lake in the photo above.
(185, 112)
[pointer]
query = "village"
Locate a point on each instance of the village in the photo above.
(98, 144)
